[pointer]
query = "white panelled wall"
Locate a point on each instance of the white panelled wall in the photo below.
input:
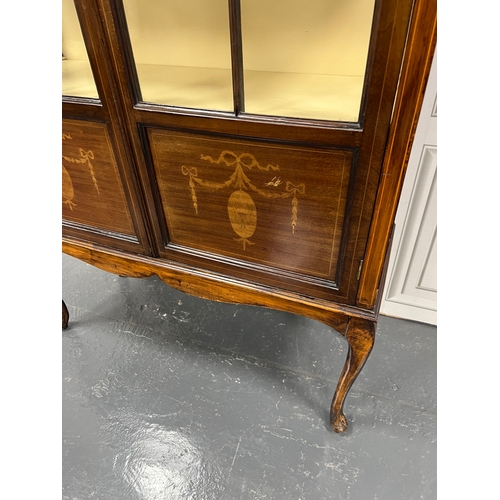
(411, 285)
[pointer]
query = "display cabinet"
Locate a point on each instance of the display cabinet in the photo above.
(246, 151)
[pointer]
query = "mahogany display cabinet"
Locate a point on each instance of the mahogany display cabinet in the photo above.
(246, 151)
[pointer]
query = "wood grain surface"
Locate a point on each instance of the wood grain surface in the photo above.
(91, 188)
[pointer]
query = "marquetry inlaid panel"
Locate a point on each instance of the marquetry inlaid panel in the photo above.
(92, 193)
(266, 204)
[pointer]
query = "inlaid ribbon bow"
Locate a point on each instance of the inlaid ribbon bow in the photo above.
(190, 171)
(295, 189)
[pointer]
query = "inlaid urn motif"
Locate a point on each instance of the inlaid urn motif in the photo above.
(241, 208)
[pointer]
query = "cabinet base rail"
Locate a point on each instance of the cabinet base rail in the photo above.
(358, 327)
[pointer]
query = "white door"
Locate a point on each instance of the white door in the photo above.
(411, 285)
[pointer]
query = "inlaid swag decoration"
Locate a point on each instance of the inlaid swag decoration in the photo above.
(241, 207)
(67, 184)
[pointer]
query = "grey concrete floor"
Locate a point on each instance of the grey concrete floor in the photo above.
(168, 396)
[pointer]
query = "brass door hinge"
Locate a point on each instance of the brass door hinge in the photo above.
(359, 269)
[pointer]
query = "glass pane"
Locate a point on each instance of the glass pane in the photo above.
(77, 78)
(305, 58)
(182, 52)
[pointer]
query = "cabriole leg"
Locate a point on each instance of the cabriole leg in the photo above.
(65, 316)
(360, 335)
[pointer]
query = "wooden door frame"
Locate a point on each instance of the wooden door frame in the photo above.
(415, 70)
(249, 126)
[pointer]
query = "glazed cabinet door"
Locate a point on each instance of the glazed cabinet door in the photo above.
(259, 128)
(100, 200)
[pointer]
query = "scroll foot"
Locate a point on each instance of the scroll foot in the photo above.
(338, 422)
(361, 336)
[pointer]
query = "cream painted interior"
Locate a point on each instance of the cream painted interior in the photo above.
(182, 51)
(301, 58)
(305, 58)
(77, 79)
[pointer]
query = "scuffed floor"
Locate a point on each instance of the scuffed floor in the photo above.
(168, 396)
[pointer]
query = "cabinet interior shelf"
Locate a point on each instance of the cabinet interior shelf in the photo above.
(296, 95)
